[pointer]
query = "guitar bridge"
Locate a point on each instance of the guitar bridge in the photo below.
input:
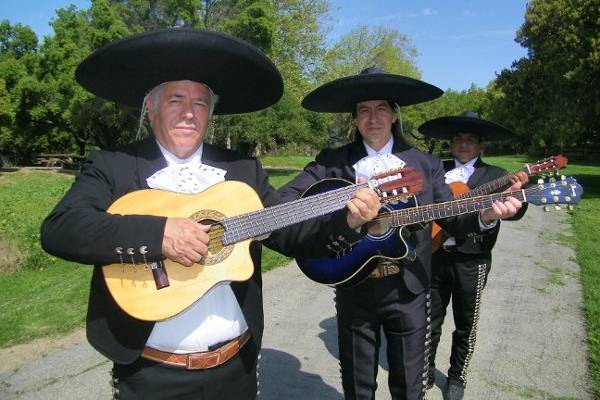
(160, 274)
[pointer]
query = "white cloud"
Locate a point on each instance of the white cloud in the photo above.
(429, 11)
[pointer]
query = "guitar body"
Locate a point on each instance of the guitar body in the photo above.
(437, 233)
(133, 286)
(354, 262)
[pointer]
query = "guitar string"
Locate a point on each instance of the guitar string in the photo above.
(417, 214)
(235, 226)
(292, 211)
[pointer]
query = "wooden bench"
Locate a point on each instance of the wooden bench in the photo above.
(48, 160)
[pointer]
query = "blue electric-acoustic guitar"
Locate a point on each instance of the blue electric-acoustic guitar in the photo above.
(352, 264)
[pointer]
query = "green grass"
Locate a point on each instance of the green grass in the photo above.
(296, 162)
(48, 296)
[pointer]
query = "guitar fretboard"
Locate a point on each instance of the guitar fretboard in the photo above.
(452, 208)
(492, 186)
(267, 220)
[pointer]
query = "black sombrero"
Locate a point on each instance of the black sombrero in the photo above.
(467, 122)
(341, 95)
(125, 70)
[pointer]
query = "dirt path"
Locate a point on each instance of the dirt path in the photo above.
(530, 345)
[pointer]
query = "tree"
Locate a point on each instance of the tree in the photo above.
(18, 66)
(452, 102)
(552, 97)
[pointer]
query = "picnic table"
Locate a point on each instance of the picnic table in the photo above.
(58, 160)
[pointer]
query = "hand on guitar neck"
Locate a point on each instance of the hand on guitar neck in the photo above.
(509, 208)
(362, 207)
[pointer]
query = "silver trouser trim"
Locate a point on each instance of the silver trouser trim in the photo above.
(481, 278)
(427, 352)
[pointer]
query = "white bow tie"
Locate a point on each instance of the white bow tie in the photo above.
(191, 177)
(459, 174)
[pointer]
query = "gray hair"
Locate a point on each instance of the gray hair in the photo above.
(154, 94)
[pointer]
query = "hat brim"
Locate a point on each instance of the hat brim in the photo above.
(125, 70)
(342, 95)
(448, 127)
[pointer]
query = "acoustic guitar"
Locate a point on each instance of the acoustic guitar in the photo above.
(354, 264)
(462, 191)
(161, 289)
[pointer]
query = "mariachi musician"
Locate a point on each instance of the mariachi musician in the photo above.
(461, 265)
(180, 77)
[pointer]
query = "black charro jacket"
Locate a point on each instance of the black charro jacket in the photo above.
(79, 229)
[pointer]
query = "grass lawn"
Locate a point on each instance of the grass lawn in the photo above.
(49, 296)
(297, 162)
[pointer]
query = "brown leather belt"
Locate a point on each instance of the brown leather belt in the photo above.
(200, 360)
(384, 269)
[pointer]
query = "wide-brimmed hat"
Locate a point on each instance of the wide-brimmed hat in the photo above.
(125, 70)
(467, 122)
(342, 95)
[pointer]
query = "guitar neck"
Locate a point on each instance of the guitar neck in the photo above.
(492, 186)
(452, 208)
(267, 220)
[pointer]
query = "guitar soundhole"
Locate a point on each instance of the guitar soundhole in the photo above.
(217, 252)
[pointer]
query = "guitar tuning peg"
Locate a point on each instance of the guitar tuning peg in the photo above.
(540, 181)
(570, 207)
(547, 208)
(557, 208)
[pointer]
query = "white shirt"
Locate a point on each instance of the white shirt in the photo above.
(215, 317)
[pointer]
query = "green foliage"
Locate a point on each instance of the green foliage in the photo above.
(452, 102)
(552, 97)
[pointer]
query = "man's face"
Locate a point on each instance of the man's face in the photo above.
(374, 119)
(181, 118)
(465, 147)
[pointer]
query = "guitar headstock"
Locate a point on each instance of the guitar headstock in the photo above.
(400, 183)
(555, 193)
(547, 164)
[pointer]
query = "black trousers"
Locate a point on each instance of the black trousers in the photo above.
(148, 380)
(361, 313)
(462, 278)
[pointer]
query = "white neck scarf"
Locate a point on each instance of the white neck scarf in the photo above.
(462, 172)
(377, 162)
(185, 175)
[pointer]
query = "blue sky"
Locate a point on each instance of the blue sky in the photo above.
(459, 42)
